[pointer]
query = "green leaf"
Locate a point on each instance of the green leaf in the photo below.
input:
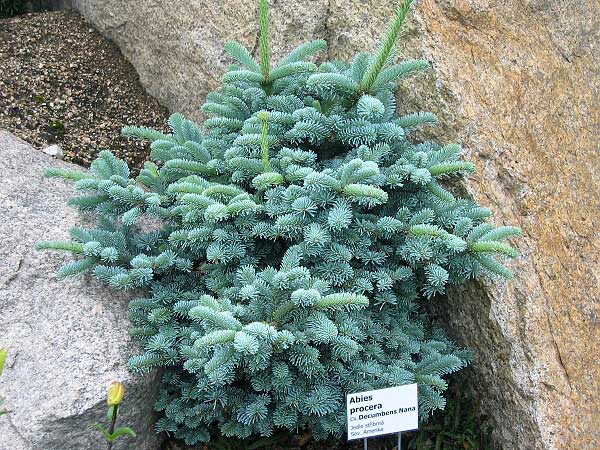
(110, 412)
(3, 354)
(122, 431)
(102, 430)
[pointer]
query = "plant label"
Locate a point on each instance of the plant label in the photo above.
(383, 411)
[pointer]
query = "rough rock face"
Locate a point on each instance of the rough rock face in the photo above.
(67, 340)
(517, 83)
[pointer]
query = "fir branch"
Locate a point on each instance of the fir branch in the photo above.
(386, 47)
(67, 174)
(214, 338)
(76, 267)
(264, 49)
(494, 266)
(143, 133)
(242, 55)
(303, 51)
(263, 117)
(68, 246)
(341, 301)
(493, 247)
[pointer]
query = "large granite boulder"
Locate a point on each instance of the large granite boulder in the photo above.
(68, 339)
(517, 83)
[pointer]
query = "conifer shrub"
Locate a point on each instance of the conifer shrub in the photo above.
(300, 227)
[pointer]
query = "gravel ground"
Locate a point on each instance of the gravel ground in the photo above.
(62, 83)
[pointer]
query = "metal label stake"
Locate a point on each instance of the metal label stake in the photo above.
(366, 443)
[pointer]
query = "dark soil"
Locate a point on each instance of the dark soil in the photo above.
(62, 83)
(303, 442)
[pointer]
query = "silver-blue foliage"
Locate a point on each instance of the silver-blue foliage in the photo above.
(299, 228)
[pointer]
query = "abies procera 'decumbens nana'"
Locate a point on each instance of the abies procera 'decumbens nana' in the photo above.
(300, 228)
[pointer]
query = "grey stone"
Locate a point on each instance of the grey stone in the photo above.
(68, 339)
(55, 151)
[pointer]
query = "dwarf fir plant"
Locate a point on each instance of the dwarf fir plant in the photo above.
(298, 230)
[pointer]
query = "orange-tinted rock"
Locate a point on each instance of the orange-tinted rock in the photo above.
(518, 84)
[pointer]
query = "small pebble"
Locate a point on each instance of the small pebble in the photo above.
(55, 151)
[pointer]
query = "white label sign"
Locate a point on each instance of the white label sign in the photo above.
(383, 411)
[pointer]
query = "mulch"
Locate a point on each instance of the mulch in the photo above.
(62, 83)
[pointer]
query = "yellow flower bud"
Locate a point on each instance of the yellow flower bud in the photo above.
(116, 391)
(3, 353)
